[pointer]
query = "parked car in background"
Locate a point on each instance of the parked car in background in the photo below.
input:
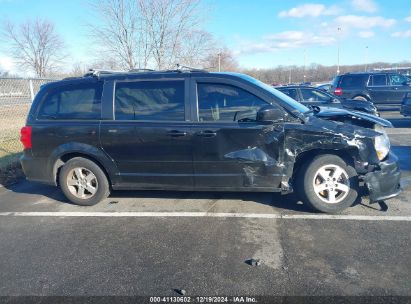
(325, 87)
(317, 97)
(406, 105)
(383, 89)
(194, 130)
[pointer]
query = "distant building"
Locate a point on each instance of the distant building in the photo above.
(401, 70)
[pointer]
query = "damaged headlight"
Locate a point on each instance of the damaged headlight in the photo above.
(381, 143)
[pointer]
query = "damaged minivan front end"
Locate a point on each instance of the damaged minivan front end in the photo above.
(355, 136)
(323, 154)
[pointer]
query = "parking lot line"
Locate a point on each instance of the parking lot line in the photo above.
(210, 214)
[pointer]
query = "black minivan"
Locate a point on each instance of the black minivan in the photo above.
(194, 130)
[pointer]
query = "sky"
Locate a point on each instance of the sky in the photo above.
(261, 33)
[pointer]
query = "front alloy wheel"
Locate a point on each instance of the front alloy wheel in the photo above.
(331, 184)
(328, 183)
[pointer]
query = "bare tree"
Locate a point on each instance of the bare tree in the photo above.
(34, 45)
(197, 48)
(150, 33)
(223, 59)
(173, 26)
(120, 33)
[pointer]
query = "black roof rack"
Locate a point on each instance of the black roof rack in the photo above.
(140, 70)
(99, 72)
(183, 68)
(179, 69)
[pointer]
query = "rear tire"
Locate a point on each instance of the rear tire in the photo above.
(360, 98)
(328, 184)
(83, 182)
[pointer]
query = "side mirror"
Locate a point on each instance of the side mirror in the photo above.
(270, 114)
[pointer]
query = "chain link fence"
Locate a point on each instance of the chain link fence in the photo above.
(16, 95)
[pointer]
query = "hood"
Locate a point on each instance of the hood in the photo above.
(339, 114)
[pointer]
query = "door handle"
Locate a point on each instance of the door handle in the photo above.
(176, 133)
(207, 133)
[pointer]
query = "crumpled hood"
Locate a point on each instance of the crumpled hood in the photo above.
(337, 114)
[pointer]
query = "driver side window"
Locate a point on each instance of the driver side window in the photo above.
(314, 95)
(227, 103)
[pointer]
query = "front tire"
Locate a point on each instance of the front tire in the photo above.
(83, 182)
(328, 184)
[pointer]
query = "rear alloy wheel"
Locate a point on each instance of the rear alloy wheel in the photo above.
(83, 182)
(328, 184)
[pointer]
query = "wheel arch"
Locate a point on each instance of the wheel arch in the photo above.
(365, 95)
(68, 151)
(349, 155)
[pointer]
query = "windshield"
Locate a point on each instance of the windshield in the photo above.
(291, 102)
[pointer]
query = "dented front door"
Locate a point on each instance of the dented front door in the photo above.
(230, 149)
(237, 155)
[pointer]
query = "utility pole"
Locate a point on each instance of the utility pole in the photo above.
(289, 75)
(305, 63)
(219, 62)
(366, 58)
(338, 50)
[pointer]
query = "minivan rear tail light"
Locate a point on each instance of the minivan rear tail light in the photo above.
(25, 137)
(338, 91)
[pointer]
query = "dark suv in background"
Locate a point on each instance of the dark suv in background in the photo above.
(406, 105)
(193, 130)
(383, 89)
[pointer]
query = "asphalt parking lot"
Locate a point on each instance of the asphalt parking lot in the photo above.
(151, 242)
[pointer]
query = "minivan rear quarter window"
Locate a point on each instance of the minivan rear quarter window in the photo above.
(150, 100)
(74, 101)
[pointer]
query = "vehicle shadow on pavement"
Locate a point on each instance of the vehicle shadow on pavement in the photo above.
(37, 189)
(274, 200)
(237, 200)
(289, 202)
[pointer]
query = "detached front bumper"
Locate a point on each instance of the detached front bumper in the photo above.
(384, 181)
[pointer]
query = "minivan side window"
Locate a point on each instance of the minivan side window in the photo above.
(73, 101)
(378, 80)
(315, 95)
(227, 103)
(150, 100)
